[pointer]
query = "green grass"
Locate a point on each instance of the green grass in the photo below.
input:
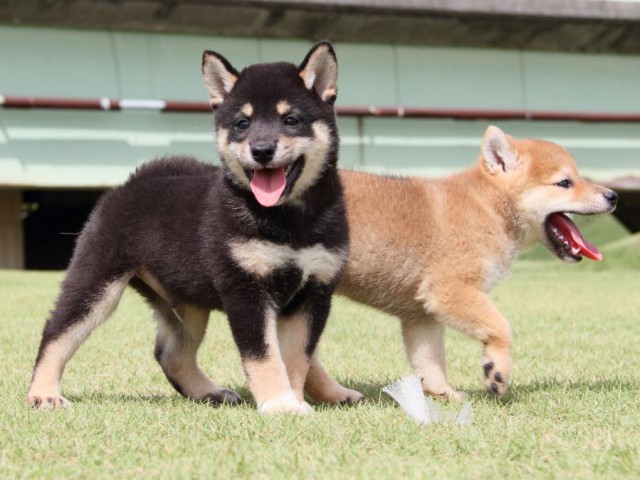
(572, 411)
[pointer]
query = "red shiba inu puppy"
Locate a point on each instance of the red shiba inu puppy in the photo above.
(429, 250)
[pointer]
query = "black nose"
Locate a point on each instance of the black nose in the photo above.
(612, 197)
(262, 152)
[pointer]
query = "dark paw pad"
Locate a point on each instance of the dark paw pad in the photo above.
(351, 400)
(43, 403)
(487, 367)
(227, 396)
(495, 382)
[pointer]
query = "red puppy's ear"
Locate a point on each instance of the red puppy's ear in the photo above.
(497, 152)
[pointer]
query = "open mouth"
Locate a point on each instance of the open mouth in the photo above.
(566, 241)
(270, 184)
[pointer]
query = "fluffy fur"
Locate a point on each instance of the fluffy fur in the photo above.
(429, 250)
(263, 237)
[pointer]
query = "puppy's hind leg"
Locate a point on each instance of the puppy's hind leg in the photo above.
(86, 301)
(424, 342)
(323, 388)
(180, 333)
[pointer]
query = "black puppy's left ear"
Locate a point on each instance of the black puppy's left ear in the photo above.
(319, 71)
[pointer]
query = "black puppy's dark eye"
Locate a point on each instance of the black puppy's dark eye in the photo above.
(566, 183)
(242, 124)
(291, 121)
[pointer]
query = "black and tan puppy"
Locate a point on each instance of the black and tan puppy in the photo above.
(263, 237)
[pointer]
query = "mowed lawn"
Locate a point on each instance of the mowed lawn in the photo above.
(573, 410)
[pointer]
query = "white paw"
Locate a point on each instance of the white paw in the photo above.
(43, 402)
(446, 392)
(285, 403)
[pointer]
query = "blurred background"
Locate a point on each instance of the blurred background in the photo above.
(90, 89)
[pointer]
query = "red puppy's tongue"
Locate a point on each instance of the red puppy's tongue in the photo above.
(571, 234)
(267, 185)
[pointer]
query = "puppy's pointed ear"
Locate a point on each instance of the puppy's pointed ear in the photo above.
(219, 77)
(319, 71)
(497, 152)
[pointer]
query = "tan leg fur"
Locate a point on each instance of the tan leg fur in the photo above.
(180, 334)
(268, 378)
(323, 388)
(45, 390)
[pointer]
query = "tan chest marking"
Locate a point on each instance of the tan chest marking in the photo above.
(261, 258)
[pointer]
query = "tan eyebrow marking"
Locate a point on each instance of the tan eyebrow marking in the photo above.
(283, 107)
(247, 110)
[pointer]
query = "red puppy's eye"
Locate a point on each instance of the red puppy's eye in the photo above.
(566, 183)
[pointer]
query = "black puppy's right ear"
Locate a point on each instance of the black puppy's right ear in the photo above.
(219, 77)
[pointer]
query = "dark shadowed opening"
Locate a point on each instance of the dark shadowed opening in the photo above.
(628, 211)
(53, 220)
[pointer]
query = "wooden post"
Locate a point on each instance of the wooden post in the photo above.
(11, 230)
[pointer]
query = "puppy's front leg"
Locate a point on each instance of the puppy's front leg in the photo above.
(255, 332)
(293, 337)
(299, 334)
(472, 312)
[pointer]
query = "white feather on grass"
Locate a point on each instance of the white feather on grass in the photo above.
(408, 393)
(465, 417)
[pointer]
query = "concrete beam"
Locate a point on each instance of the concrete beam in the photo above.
(552, 25)
(569, 9)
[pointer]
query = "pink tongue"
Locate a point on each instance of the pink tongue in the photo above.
(570, 232)
(267, 185)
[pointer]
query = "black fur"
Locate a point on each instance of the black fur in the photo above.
(175, 217)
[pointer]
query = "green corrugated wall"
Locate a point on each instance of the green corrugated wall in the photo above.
(57, 148)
